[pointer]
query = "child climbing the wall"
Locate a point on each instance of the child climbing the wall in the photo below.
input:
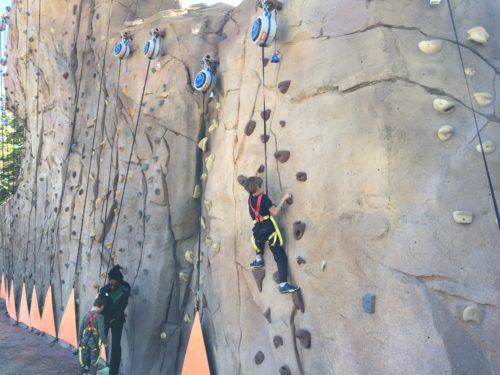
(262, 212)
(92, 334)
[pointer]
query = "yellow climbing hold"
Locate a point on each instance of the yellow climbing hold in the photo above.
(445, 132)
(213, 126)
(488, 147)
(93, 233)
(216, 247)
(463, 217)
(209, 162)
(430, 47)
(470, 71)
(209, 241)
(443, 105)
(203, 144)
(202, 223)
(163, 336)
(98, 202)
(472, 314)
(183, 276)
(121, 179)
(187, 319)
(189, 256)
(203, 177)
(479, 35)
(196, 192)
(208, 204)
(483, 98)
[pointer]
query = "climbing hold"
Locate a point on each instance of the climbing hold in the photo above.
(443, 105)
(264, 29)
(369, 303)
(265, 115)
(445, 132)
(216, 247)
(259, 357)
(157, 191)
(323, 265)
(203, 144)
(463, 217)
(121, 49)
(208, 204)
(298, 301)
(277, 341)
(282, 156)
(483, 98)
(189, 256)
(276, 277)
(469, 71)
(145, 166)
(298, 229)
(213, 126)
(301, 176)
(472, 314)
(121, 179)
(152, 46)
(284, 86)
(282, 123)
(304, 337)
(264, 138)
(209, 241)
(183, 276)
(205, 79)
(259, 274)
(93, 233)
(242, 180)
(209, 162)
(65, 75)
(479, 35)
(285, 370)
(203, 177)
(187, 319)
(196, 192)
(488, 147)
(202, 223)
(430, 47)
(300, 260)
(267, 314)
(265, 61)
(250, 127)
(163, 335)
(276, 58)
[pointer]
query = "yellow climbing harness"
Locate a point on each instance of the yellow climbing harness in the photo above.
(274, 237)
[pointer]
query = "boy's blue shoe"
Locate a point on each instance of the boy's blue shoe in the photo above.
(257, 263)
(287, 288)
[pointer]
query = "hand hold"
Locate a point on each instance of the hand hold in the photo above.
(202, 145)
(289, 201)
(261, 169)
(264, 138)
(430, 47)
(298, 229)
(285, 370)
(445, 132)
(488, 147)
(65, 75)
(276, 277)
(284, 86)
(259, 274)
(472, 314)
(267, 314)
(305, 337)
(463, 217)
(298, 301)
(282, 156)
(483, 98)
(479, 35)
(443, 105)
(282, 123)
(265, 61)
(250, 127)
(300, 260)
(277, 341)
(259, 357)
(301, 176)
(265, 114)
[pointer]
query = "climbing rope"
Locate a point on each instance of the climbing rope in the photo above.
(478, 132)
(93, 144)
(134, 136)
(264, 114)
(25, 260)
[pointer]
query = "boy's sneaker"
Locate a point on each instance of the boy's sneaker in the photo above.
(257, 263)
(287, 288)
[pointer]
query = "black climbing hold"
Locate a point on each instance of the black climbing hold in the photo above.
(259, 274)
(74, 174)
(55, 209)
(264, 138)
(267, 314)
(80, 192)
(259, 357)
(266, 61)
(265, 114)
(250, 127)
(282, 123)
(298, 301)
(282, 156)
(277, 341)
(157, 191)
(305, 337)
(285, 370)
(276, 277)
(298, 229)
(65, 75)
(301, 176)
(241, 180)
(66, 209)
(300, 260)
(284, 86)
(289, 201)
(261, 169)
(369, 303)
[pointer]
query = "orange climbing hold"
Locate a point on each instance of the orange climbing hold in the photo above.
(196, 361)
(48, 327)
(35, 319)
(67, 329)
(24, 313)
(11, 303)
(3, 291)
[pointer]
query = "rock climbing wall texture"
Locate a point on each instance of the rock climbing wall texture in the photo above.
(370, 127)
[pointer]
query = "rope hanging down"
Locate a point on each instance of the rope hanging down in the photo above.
(478, 132)
(26, 125)
(264, 114)
(93, 145)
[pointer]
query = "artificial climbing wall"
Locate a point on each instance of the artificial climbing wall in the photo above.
(377, 180)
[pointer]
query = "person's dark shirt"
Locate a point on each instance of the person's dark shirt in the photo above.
(265, 205)
(117, 301)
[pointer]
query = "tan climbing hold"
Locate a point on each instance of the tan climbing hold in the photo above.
(216, 247)
(479, 35)
(472, 314)
(323, 265)
(209, 241)
(445, 132)
(488, 147)
(213, 126)
(202, 223)
(470, 71)
(189, 256)
(463, 217)
(98, 202)
(183, 276)
(430, 47)
(483, 98)
(443, 105)
(196, 192)
(209, 162)
(208, 204)
(203, 144)
(203, 177)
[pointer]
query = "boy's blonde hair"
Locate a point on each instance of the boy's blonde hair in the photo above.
(252, 184)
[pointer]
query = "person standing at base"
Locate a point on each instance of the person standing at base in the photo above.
(117, 292)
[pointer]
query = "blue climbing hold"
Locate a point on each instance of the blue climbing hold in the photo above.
(275, 59)
(369, 303)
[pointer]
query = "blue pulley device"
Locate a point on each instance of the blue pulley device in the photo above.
(122, 48)
(152, 46)
(205, 79)
(3, 23)
(264, 29)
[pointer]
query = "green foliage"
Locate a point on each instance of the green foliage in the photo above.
(11, 153)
